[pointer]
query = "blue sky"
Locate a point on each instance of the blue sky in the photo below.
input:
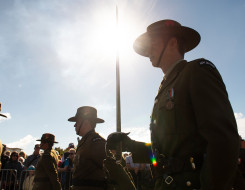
(58, 55)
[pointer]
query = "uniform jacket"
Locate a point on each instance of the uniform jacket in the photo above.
(193, 116)
(46, 176)
(88, 162)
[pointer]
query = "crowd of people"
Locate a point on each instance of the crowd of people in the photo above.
(24, 166)
(18, 169)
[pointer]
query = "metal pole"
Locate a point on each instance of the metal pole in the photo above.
(118, 106)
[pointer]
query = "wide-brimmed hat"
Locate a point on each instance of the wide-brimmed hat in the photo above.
(166, 28)
(0, 110)
(48, 137)
(86, 112)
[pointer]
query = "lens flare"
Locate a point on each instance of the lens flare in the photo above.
(151, 155)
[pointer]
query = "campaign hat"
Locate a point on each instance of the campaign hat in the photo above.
(86, 112)
(48, 137)
(166, 28)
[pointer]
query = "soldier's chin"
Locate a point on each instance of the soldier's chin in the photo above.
(155, 64)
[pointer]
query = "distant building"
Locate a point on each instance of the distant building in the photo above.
(13, 149)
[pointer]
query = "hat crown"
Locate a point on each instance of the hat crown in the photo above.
(163, 25)
(166, 29)
(48, 137)
(86, 112)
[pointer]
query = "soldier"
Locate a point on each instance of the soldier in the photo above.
(88, 163)
(88, 173)
(46, 175)
(194, 133)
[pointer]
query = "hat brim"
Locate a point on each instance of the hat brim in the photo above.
(97, 120)
(41, 140)
(3, 115)
(190, 36)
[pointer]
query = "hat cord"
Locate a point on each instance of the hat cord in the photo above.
(163, 50)
(80, 127)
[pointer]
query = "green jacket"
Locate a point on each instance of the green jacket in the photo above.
(192, 115)
(88, 162)
(46, 175)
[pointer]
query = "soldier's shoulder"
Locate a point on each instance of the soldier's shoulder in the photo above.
(96, 138)
(201, 63)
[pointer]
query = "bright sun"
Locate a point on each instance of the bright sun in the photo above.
(111, 36)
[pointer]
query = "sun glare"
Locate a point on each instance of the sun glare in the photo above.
(111, 36)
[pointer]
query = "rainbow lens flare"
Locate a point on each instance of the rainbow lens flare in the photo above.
(154, 162)
(152, 157)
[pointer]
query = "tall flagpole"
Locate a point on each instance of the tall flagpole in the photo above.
(118, 105)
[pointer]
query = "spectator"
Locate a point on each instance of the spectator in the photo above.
(124, 155)
(28, 182)
(22, 154)
(132, 168)
(33, 159)
(65, 155)
(7, 153)
(12, 164)
(21, 160)
(241, 160)
(145, 179)
(239, 182)
(4, 157)
(68, 168)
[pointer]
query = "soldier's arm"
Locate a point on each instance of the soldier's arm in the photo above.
(141, 151)
(50, 169)
(216, 124)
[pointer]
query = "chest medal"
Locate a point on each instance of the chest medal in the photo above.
(170, 99)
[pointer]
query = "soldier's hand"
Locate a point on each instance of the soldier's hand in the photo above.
(114, 139)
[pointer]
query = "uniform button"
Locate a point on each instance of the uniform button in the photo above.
(188, 183)
(163, 166)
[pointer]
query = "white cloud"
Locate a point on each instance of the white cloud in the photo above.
(3, 118)
(27, 144)
(240, 119)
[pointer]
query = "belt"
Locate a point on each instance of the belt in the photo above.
(176, 165)
(41, 179)
(89, 182)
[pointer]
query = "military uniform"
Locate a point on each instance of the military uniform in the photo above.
(193, 118)
(46, 175)
(194, 133)
(88, 163)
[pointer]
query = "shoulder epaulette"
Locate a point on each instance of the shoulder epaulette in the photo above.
(96, 139)
(205, 62)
